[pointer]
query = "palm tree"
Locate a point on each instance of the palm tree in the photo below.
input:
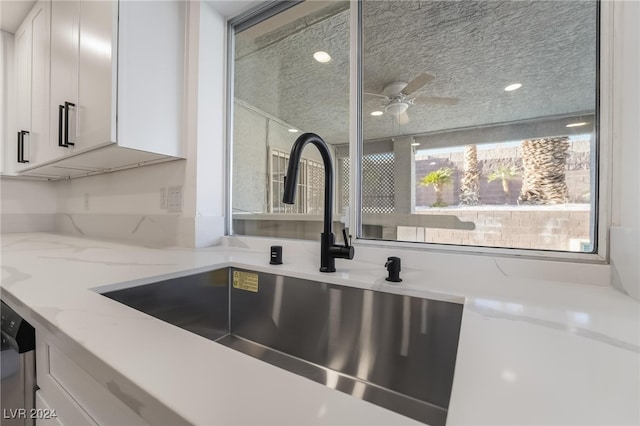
(438, 179)
(505, 174)
(544, 162)
(470, 182)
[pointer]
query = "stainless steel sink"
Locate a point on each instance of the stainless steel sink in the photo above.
(198, 303)
(395, 351)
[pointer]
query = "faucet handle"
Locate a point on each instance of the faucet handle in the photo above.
(342, 252)
(347, 243)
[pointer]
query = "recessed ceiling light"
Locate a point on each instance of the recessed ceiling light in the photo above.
(376, 113)
(293, 130)
(415, 144)
(322, 57)
(512, 87)
(582, 123)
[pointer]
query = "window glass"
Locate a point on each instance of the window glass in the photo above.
(283, 87)
(479, 123)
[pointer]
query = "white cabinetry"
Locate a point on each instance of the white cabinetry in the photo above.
(117, 78)
(31, 143)
(49, 416)
(76, 397)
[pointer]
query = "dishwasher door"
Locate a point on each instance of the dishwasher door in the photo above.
(18, 369)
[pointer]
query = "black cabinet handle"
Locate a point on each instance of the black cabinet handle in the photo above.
(66, 123)
(60, 114)
(19, 149)
(21, 134)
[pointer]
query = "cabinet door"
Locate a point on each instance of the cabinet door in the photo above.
(39, 141)
(48, 416)
(96, 87)
(76, 396)
(32, 75)
(151, 58)
(23, 92)
(65, 21)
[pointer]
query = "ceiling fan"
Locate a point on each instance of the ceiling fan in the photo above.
(399, 96)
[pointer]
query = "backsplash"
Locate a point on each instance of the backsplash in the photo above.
(130, 205)
(141, 229)
(27, 206)
(133, 206)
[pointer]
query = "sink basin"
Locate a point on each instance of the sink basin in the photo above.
(197, 303)
(395, 351)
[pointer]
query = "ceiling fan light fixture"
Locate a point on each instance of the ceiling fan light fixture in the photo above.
(582, 123)
(322, 57)
(377, 113)
(396, 108)
(512, 87)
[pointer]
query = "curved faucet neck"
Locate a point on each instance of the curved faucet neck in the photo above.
(291, 181)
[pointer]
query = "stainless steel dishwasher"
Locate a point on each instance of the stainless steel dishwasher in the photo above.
(18, 369)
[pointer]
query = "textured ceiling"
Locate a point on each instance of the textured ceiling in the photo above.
(474, 50)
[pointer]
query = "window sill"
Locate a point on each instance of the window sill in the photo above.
(450, 265)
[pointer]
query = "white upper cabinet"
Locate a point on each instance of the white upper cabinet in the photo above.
(31, 143)
(117, 78)
(151, 75)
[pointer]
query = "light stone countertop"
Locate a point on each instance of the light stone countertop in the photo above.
(532, 350)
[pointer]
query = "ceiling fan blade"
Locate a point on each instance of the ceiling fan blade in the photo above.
(417, 83)
(403, 118)
(435, 100)
(375, 94)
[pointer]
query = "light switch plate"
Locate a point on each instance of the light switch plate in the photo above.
(163, 198)
(174, 199)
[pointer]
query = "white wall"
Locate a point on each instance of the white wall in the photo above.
(625, 188)
(210, 174)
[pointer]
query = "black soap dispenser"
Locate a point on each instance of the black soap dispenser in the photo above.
(276, 255)
(393, 266)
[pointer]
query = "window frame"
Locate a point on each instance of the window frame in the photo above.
(602, 157)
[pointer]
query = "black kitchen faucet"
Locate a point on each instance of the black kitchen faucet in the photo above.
(329, 251)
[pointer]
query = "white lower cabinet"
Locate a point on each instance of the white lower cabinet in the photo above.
(73, 394)
(44, 415)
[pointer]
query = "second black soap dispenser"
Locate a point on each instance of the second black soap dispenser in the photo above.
(393, 266)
